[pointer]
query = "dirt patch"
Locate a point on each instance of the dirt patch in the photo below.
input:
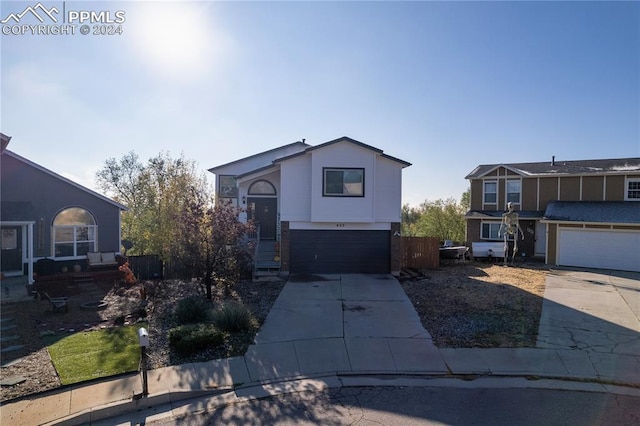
(480, 305)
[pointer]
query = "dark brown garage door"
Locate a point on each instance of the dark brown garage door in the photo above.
(366, 252)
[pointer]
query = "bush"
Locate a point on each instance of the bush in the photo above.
(191, 338)
(233, 317)
(192, 310)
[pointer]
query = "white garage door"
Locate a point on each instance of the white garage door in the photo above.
(599, 249)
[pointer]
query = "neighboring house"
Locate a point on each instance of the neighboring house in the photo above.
(45, 215)
(573, 213)
(332, 208)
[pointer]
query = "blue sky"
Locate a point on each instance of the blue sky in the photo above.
(443, 85)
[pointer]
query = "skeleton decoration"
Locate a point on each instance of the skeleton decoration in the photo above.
(510, 228)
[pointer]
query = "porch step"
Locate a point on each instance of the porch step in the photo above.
(266, 257)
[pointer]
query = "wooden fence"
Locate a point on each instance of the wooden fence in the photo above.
(420, 252)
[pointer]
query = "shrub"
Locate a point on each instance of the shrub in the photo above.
(233, 317)
(191, 338)
(192, 310)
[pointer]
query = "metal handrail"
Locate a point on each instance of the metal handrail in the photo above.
(257, 248)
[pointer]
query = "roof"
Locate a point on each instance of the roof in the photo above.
(4, 141)
(64, 179)
(345, 139)
(556, 167)
(497, 214)
(270, 160)
(620, 212)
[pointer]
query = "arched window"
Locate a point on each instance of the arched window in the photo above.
(262, 187)
(74, 232)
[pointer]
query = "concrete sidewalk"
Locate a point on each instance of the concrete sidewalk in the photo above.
(362, 330)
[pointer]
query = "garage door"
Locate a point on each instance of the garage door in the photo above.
(599, 249)
(365, 252)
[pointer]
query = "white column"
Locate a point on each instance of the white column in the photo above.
(30, 252)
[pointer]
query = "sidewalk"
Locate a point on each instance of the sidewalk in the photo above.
(358, 330)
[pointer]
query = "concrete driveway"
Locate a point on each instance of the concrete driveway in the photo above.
(326, 324)
(597, 311)
(339, 323)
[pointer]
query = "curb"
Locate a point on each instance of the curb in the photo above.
(176, 403)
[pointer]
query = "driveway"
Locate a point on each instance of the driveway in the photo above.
(592, 310)
(338, 323)
(326, 324)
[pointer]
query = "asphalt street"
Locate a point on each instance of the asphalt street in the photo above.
(419, 406)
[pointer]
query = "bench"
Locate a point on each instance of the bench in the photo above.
(60, 304)
(102, 260)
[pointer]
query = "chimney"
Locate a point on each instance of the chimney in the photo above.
(553, 160)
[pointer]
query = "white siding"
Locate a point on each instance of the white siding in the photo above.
(343, 209)
(388, 200)
(301, 199)
(295, 193)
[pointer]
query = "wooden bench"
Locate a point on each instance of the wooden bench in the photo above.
(60, 304)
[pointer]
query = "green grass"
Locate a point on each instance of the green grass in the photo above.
(94, 354)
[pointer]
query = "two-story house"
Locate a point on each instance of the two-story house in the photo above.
(583, 213)
(330, 208)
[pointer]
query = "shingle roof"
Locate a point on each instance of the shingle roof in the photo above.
(558, 167)
(594, 211)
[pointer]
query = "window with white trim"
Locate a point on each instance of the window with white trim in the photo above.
(514, 187)
(489, 230)
(490, 192)
(343, 182)
(262, 187)
(74, 233)
(632, 189)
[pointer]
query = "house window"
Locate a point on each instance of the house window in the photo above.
(489, 230)
(632, 192)
(227, 187)
(343, 182)
(490, 192)
(262, 187)
(74, 233)
(513, 190)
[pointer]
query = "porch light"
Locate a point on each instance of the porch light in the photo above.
(244, 200)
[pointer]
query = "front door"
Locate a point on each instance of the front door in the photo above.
(264, 211)
(11, 249)
(541, 239)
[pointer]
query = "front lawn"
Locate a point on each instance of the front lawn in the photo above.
(94, 354)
